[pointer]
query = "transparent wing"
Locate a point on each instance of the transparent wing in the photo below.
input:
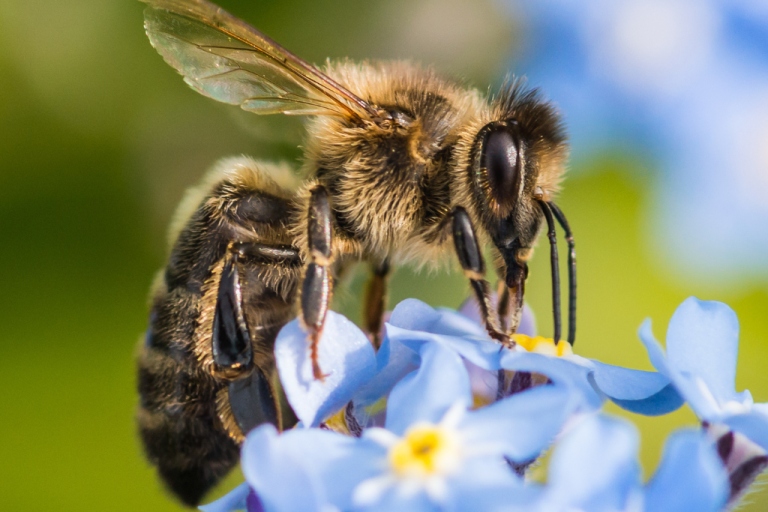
(226, 59)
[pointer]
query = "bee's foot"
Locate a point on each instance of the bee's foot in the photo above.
(317, 373)
(502, 338)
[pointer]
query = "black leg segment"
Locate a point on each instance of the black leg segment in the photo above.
(317, 287)
(230, 338)
(268, 254)
(315, 294)
(253, 402)
(571, 271)
(376, 301)
(320, 227)
(467, 248)
(231, 343)
(512, 289)
(503, 307)
(552, 234)
(471, 259)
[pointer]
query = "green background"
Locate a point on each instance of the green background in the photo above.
(99, 138)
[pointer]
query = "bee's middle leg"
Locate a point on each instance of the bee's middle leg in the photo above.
(473, 264)
(317, 286)
(376, 301)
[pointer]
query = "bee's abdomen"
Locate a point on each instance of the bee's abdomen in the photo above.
(191, 410)
(178, 422)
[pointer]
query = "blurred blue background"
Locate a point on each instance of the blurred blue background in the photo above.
(666, 103)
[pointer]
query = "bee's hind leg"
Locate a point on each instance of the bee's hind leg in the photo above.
(317, 286)
(249, 399)
(471, 259)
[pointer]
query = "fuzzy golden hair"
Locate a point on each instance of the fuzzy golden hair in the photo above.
(545, 156)
(237, 174)
(380, 193)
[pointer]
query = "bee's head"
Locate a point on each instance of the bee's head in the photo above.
(517, 158)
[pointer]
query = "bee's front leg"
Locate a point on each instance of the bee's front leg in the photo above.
(504, 308)
(317, 286)
(471, 259)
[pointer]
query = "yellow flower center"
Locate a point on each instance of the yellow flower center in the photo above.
(425, 449)
(542, 345)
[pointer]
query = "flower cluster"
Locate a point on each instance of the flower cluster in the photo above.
(443, 418)
(681, 81)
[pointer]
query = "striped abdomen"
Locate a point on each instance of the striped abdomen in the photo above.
(206, 367)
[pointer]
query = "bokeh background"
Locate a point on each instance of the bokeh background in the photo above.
(99, 138)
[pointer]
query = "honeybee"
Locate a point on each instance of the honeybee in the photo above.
(402, 165)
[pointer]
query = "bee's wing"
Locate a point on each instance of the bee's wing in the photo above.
(226, 59)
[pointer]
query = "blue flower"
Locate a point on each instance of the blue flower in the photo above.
(594, 468)
(433, 450)
(414, 324)
(357, 374)
(702, 346)
(345, 356)
(435, 453)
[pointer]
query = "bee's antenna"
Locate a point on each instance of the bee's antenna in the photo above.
(571, 271)
(545, 207)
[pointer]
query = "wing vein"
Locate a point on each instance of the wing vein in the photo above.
(184, 31)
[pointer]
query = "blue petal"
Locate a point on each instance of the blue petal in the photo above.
(520, 426)
(595, 466)
(427, 393)
(345, 355)
(495, 498)
(394, 360)
(392, 501)
(282, 484)
(483, 470)
(561, 371)
(665, 401)
(486, 483)
(414, 315)
(339, 462)
(414, 323)
(233, 500)
(307, 469)
(411, 325)
(647, 393)
(455, 324)
(653, 347)
(686, 385)
(690, 478)
(703, 340)
(754, 425)
(481, 352)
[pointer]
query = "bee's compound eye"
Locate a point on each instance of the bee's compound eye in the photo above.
(501, 160)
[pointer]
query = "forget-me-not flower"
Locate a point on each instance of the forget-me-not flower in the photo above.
(414, 323)
(433, 450)
(594, 468)
(436, 449)
(702, 347)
